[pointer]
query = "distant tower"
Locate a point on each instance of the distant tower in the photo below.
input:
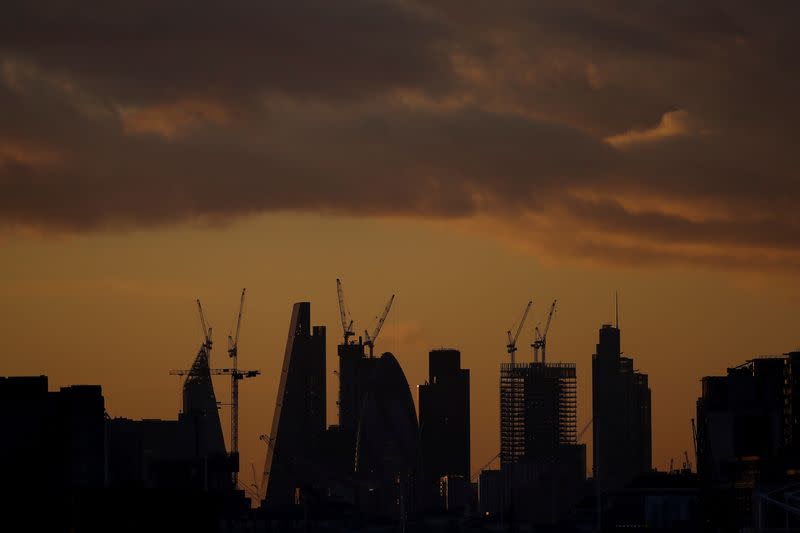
(621, 405)
(299, 418)
(444, 419)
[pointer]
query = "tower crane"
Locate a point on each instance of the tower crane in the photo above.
(347, 327)
(236, 377)
(371, 338)
(540, 338)
(511, 347)
(235, 374)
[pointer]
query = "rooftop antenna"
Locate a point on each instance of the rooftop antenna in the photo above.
(616, 308)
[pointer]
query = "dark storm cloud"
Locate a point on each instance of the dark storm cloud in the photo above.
(155, 49)
(646, 133)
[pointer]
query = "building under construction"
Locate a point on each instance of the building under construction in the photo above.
(538, 406)
(542, 466)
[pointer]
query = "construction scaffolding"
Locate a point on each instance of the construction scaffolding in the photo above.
(538, 410)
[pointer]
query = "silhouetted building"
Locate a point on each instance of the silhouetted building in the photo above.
(187, 453)
(444, 424)
(622, 415)
(164, 454)
(747, 436)
(541, 464)
(355, 372)
(388, 442)
(52, 444)
(299, 419)
(52, 439)
(200, 421)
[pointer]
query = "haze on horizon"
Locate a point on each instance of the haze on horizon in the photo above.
(465, 159)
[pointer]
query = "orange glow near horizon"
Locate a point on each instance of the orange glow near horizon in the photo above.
(117, 309)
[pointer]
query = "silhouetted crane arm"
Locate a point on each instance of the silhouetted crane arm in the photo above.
(549, 318)
(347, 327)
(206, 327)
(521, 323)
(381, 320)
(537, 335)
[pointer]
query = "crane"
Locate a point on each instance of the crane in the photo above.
(206, 330)
(371, 338)
(236, 377)
(217, 372)
(347, 327)
(512, 341)
(235, 374)
(540, 338)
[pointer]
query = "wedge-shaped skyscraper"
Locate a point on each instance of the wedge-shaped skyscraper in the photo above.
(299, 419)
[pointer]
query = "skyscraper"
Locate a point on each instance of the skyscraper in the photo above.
(387, 445)
(444, 419)
(299, 418)
(621, 409)
(541, 463)
(355, 371)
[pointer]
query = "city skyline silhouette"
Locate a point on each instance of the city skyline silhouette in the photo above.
(466, 159)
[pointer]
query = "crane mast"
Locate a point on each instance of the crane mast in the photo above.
(236, 376)
(511, 347)
(371, 338)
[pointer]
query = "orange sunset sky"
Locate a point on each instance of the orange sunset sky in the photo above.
(466, 157)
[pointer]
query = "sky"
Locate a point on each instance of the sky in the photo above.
(463, 157)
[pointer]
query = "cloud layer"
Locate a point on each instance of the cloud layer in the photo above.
(623, 133)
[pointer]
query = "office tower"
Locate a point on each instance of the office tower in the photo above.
(388, 442)
(444, 420)
(299, 419)
(621, 410)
